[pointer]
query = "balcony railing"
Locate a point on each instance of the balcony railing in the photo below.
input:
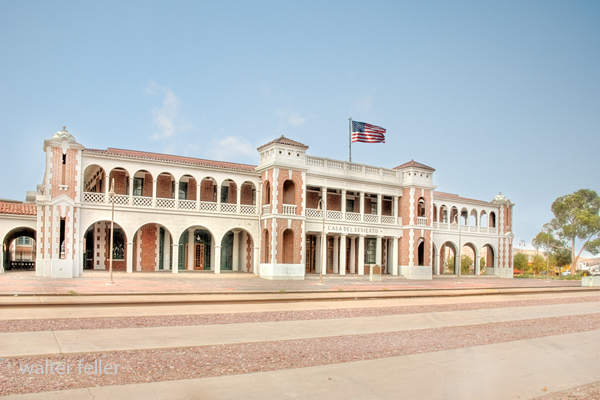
(334, 215)
(350, 216)
(266, 209)
(444, 226)
(289, 209)
(371, 218)
(386, 219)
(229, 208)
(421, 221)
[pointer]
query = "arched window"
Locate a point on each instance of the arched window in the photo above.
(421, 209)
(492, 220)
(289, 192)
(288, 246)
(267, 193)
(421, 252)
(266, 244)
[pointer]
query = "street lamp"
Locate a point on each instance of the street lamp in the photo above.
(323, 241)
(111, 195)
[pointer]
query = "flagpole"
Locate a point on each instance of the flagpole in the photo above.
(350, 138)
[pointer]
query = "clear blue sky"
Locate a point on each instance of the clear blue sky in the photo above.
(496, 95)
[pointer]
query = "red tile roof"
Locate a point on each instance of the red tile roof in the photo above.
(413, 163)
(283, 140)
(7, 207)
(171, 158)
(456, 197)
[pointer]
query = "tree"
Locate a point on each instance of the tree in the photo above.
(577, 217)
(482, 265)
(465, 264)
(450, 264)
(538, 263)
(521, 262)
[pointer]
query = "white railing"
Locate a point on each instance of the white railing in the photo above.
(314, 161)
(187, 204)
(389, 173)
(90, 197)
(372, 171)
(229, 208)
(289, 209)
(473, 229)
(371, 218)
(165, 203)
(454, 227)
(312, 213)
(483, 229)
(351, 216)
(266, 209)
(142, 201)
(247, 209)
(463, 228)
(421, 221)
(492, 230)
(208, 206)
(119, 199)
(386, 219)
(436, 225)
(355, 167)
(335, 164)
(334, 215)
(443, 225)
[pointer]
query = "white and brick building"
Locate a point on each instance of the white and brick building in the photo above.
(282, 219)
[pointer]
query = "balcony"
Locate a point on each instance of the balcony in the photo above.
(331, 215)
(444, 226)
(169, 204)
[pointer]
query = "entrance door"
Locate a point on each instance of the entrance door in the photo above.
(199, 256)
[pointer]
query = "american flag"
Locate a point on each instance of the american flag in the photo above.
(367, 133)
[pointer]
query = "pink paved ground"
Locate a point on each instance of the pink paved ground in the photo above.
(166, 282)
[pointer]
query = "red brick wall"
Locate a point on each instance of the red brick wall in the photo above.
(249, 250)
(246, 194)
(120, 178)
(148, 183)
(266, 239)
(427, 256)
(404, 207)
(267, 187)
(403, 249)
(207, 190)
(296, 227)
(334, 202)
(356, 205)
(367, 202)
(299, 187)
(57, 172)
(148, 247)
(163, 187)
(312, 200)
(192, 188)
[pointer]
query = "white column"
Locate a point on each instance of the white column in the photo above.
(235, 256)
(324, 197)
(379, 206)
(191, 256)
(129, 257)
(167, 253)
(318, 254)
(175, 268)
(362, 206)
(335, 254)
(239, 200)
(106, 188)
(218, 198)
(324, 254)
(176, 194)
(130, 191)
(395, 208)
(217, 259)
(378, 252)
(154, 193)
(353, 255)
(436, 261)
(395, 255)
(361, 255)
(343, 240)
(255, 261)
(198, 184)
(344, 204)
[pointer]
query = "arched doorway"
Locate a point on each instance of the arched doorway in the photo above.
(448, 258)
(196, 246)
(421, 252)
(487, 260)
(97, 243)
(468, 259)
(19, 249)
(237, 251)
(152, 248)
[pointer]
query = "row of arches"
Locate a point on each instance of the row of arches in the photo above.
(185, 187)
(19, 249)
(473, 217)
(473, 260)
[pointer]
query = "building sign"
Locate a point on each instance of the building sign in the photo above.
(353, 229)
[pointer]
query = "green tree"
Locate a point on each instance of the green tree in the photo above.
(482, 265)
(577, 217)
(521, 262)
(538, 263)
(465, 264)
(450, 265)
(560, 258)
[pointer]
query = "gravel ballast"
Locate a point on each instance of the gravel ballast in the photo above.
(257, 317)
(210, 361)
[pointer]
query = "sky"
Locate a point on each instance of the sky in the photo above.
(497, 96)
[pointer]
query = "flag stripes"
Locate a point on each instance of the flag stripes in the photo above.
(367, 133)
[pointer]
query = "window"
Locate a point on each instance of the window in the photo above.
(349, 205)
(138, 186)
(183, 188)
(373, 207)
(370, 250)
(23, 241)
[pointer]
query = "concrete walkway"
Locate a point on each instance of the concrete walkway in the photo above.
(513, 370)
(136, 310)
(20, 344)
